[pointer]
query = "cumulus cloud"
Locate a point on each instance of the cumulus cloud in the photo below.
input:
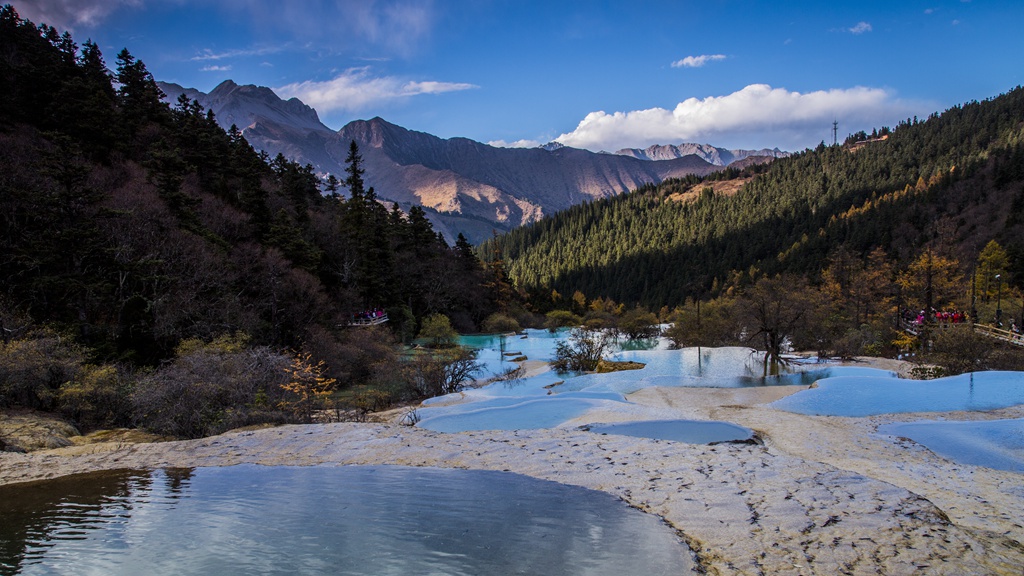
(516, 144)
(860, 28)
(755, 116)
(71, 14)
(356, 89)
(697, 61)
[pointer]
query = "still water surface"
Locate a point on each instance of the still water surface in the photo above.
(327, 520)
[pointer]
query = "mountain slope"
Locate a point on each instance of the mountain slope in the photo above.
(466, 186)
(951, 183)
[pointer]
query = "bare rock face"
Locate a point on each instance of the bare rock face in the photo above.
(466, 186)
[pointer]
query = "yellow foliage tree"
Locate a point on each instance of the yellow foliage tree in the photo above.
(931, 281)
(308, 387)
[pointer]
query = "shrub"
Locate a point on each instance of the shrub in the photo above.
(210, 388)
(560, 318)
(639, 324)
(582, 351)
(34, 367)
(442, 372)
(99, 397)
(500, 323)
(438, 332)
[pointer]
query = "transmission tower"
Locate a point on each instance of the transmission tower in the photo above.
(835, 132)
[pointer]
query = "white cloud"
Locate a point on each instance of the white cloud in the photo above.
(215, 69)
(355, 89)
(516, 144)
(208, 54)
(860, 28)
(697, 61)
(70, 14)
(753, 117)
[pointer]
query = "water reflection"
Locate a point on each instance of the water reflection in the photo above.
(339, 520)
(550, 400)
(866, 396)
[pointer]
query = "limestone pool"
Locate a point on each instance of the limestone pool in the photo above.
(870, 395)
(991, 443)
(550, 400)
(389, 520)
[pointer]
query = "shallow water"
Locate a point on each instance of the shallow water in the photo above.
(690, 431)
(995, 444)
(327, 520)
(550, 400)
(866, 396)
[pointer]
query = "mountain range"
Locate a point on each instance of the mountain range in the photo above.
(466, 186)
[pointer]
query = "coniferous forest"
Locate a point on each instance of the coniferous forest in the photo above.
(136, 237)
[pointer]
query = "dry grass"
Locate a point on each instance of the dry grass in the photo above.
(721, 188)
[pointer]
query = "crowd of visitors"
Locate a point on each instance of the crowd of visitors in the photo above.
(936, 316)
(370, 316)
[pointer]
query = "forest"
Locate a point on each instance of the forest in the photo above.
(157, 271)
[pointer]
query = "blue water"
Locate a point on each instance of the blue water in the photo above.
(866, 396)
(690, 431)
(387, 520)
(550, 400)
(994, 444)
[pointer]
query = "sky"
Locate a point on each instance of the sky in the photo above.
(599, 75)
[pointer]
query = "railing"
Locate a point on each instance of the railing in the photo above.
(912, 327)
(369, 321)
(1000, 334)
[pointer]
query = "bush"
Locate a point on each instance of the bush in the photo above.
(443, 372)
(438, 332)
(961, 349)
(99, 397)
(500, 323)
(210, 388)
(582, 352)
(34, 367)
(639, 324)
(560, 318)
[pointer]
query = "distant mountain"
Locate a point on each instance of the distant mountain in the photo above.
(466, 186)
(245, 105)
(712, 154)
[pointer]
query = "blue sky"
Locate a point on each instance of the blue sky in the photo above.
(599, 75)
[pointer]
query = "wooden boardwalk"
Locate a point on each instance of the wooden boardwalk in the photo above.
(361, 322)
(914, 328)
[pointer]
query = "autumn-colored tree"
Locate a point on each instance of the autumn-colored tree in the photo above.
(308, 388)
(931, 280)
(992, 262)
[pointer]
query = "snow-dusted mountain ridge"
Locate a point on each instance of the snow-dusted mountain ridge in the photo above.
(707, 152)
